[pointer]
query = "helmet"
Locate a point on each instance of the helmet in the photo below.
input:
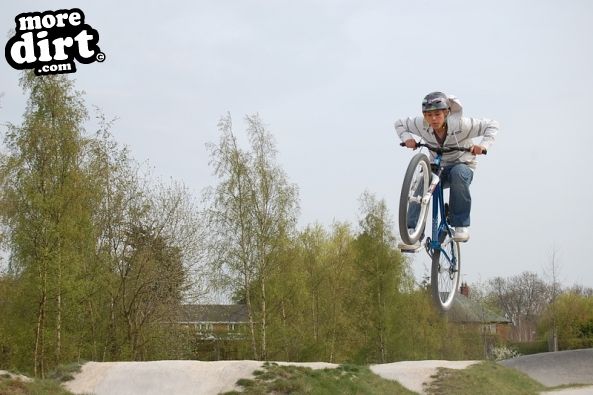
(435, 101)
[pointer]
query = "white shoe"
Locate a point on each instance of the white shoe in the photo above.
(409, 247)
(461, 234)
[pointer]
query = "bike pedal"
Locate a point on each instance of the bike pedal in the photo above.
(409, 251)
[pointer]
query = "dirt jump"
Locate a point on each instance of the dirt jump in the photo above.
(210, 378)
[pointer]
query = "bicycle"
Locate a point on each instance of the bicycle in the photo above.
(422, 183)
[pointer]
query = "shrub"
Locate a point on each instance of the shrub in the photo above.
(500, 353)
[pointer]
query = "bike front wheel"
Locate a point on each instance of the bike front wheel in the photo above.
(412, 210)
(446, 266)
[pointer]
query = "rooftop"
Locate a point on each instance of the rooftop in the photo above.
(214, 313)
(465, 310)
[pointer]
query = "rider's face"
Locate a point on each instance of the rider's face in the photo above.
(435, 118)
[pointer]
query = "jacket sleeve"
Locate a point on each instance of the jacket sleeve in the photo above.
(485, 128)
(407, 127)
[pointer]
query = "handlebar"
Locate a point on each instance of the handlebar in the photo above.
(442, 150)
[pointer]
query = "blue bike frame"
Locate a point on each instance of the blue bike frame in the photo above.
(439, 225)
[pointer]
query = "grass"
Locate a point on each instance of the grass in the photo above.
(484, 378)
(49, 386)
(345, 379)
(66, 372)
(10, 386)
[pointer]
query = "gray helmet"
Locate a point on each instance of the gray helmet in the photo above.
(435, 101)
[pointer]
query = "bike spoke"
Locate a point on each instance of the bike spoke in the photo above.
(445, 273)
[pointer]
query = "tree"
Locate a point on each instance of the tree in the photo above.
(149, 244)
(522, 299)
(152, 282)
(316, 302)
(274, 212)
(572, 315)
(555, 290)
(100, 256)
(118, 181)
(251, 212)
(381, 269)
(47, 202)
(341, 280)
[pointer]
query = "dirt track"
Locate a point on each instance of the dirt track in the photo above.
(413, 374)
(205, 378)
(196, 377)
(165, 377)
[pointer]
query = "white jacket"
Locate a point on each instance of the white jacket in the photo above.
(460, 133)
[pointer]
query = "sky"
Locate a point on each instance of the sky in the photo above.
(329, 78)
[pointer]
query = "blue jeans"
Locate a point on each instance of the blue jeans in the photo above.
(458, 178)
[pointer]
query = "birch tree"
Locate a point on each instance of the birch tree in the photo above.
(46, 205)
(381, 269)
(250, 213)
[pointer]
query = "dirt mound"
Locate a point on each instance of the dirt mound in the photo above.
(166, 377)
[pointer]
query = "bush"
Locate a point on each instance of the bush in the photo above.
(575, 343)
(500, 353)
(527, 348)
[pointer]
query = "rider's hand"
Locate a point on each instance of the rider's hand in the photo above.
(410, 143)
(477, 149)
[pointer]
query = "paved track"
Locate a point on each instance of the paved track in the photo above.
(556, 368)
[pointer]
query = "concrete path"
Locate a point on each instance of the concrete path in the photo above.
(571, 391)
(556, 368)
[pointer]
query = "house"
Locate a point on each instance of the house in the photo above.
(214, 332)
(216, 321)
(468, 312)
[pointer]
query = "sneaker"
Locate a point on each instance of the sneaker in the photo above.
(409, 247)
(461, 234)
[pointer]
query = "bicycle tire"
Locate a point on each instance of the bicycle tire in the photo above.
(418, 167)
(444, 280)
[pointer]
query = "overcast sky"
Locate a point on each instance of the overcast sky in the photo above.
(330, 77)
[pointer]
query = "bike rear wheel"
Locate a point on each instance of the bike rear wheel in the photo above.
(444, 279)
(415, 185)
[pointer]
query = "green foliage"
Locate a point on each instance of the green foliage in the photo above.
(17, 387)
(348, 297)
(345, 379)
(52, 386)
(45, 387)
(251, 214)
(527, 348)
(99, 256)
(483, 378)
(572, 315)
(66, 372)
(47, 202)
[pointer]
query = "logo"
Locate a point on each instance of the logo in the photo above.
(49, 42)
